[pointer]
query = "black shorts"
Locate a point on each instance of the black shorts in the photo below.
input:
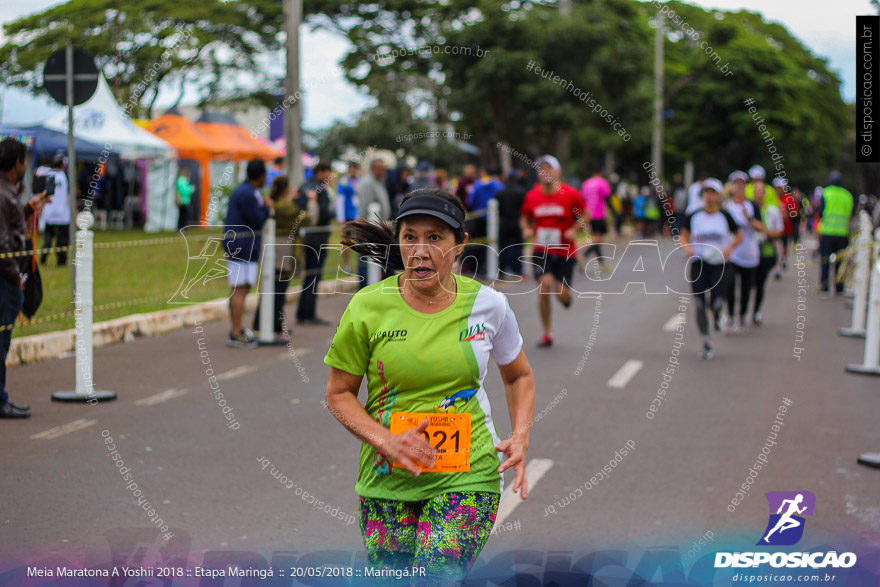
(598, 226)
(560, 268)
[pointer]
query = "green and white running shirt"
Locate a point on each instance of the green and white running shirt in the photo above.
(419, 362)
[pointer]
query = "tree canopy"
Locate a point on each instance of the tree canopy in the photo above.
(214, 44)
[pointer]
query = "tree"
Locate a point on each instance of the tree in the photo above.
(796, 97)
(142, 44)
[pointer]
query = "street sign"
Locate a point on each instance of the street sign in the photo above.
(85, 76)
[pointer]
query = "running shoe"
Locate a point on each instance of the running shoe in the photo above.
(242, 340)
(707, 352)
(727, 325)
(736, 326)
(778, 275)
(757, 319)
(566, 304)
(546, 341)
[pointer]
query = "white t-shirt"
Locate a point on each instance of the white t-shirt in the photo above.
(773, 219)
(57, 211)
(746, 254)
(710, 234)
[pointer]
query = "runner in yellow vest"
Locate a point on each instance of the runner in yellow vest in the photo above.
(835, 211)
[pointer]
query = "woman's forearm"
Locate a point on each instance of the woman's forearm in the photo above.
(346, 408)
(521, 404)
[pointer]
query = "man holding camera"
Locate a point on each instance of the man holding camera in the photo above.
(13, 230)
(56, 212)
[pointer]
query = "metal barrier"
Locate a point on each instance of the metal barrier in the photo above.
(871, 362)
(861, 278)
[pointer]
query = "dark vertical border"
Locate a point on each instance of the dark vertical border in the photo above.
(867, 89)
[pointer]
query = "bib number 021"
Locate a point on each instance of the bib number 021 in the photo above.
(449, 434)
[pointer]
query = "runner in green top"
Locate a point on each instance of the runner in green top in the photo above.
(430, 466)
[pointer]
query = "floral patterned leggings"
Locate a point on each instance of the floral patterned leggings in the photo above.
(444, 534)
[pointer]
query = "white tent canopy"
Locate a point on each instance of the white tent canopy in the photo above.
(101, 120)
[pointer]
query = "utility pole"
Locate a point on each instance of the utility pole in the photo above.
(657, 139)
(292, 116)
(71, 166)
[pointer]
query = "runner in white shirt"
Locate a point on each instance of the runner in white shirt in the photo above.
(745, 257)
(709, 236)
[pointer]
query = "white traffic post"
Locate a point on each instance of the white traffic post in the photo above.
(83, 303)
(832, 277)
(267, 285)
(492, 253)
(374, 272)
(871, 362)
(862, 277)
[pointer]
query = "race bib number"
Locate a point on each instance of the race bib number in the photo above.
(449, 434)
(548, 236)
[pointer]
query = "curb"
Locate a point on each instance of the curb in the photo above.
(49, 345)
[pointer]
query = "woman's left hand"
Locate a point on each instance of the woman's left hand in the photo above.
(515, 450)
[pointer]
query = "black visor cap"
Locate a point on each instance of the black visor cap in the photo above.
(432, 206)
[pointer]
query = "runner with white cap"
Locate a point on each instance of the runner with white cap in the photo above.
(757, 176)
(745, 257)
(709, 236)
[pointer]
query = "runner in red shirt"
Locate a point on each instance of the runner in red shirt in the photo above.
(789, 208)
(551, 214)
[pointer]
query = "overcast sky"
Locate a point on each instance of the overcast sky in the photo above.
(828, 32)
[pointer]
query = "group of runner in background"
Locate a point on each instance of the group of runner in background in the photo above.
(736, 233)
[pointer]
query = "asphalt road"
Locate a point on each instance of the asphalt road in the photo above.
(62, 494)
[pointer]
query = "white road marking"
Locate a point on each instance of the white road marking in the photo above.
(162, 396)
(673, 323)
(238, 372)
(626, 372)
(64, 429)
(535, 469)
(300, 352)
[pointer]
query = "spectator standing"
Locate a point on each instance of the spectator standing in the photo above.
(372, 190)
(13, 229)
(510, 200)
(245, 216)
(835, 210)
(315, 241)
(276, 171)
(289, 218)
(465, 183)
(483, 190)
(185, 190)
(56, 212)
(347, 203)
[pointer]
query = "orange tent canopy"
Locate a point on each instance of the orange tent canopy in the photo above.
(190, 144)
(234, 142)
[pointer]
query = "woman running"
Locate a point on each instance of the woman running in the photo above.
(773, 230)
(430, 474)
(744, 258)
(709, 236)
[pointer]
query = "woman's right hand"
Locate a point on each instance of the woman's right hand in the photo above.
(410, 449)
